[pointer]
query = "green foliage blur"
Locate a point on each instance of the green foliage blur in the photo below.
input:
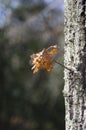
(31, 101)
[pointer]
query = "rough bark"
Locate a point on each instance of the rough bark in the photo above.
(75, 59)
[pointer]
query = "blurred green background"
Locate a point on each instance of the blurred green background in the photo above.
(30, 101)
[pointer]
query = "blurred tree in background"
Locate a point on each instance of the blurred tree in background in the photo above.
(28, 101)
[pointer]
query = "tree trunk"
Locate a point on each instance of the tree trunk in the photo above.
(75, 59)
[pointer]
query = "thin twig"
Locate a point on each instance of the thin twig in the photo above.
(63, 66)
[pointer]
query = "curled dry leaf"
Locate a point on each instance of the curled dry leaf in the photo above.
(44, 59)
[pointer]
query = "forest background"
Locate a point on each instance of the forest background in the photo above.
(30, 101)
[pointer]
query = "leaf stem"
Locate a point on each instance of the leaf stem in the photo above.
(63, 66)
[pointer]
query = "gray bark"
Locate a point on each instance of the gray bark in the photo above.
(75, 59)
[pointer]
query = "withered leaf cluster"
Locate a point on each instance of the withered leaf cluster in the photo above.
(44, 59)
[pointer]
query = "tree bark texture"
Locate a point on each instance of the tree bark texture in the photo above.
(75, 59)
